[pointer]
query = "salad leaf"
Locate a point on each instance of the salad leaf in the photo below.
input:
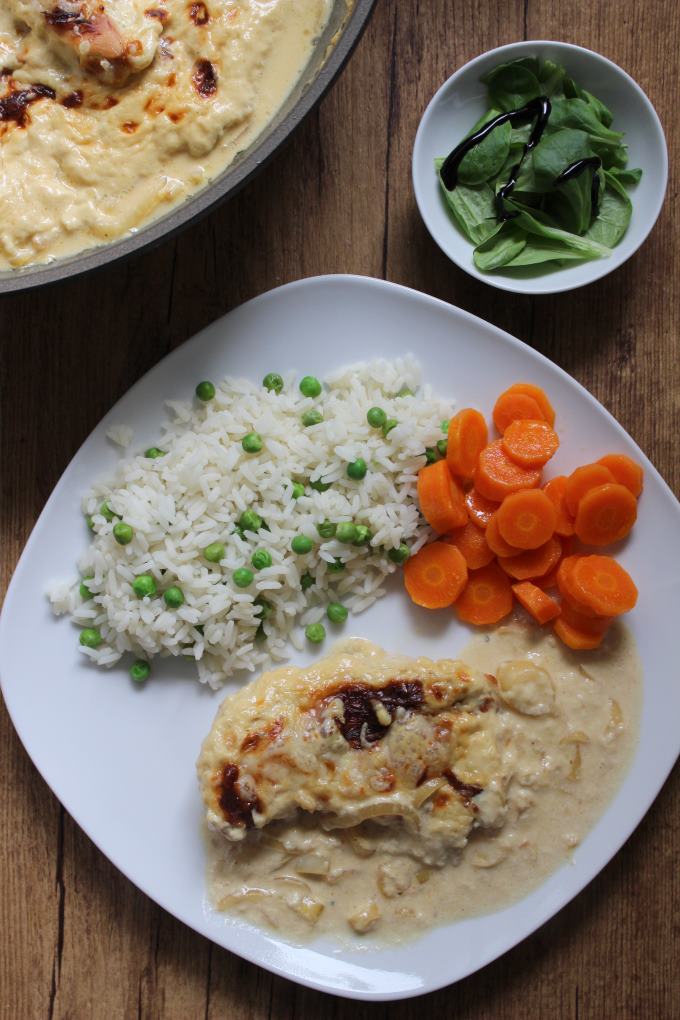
(487, 158)
(473, 209)
(501, 249)
(542, 249)
(512, 85)
(614, 214)
(626, 177)
(577, 113)
(602, 112)
(588, 248)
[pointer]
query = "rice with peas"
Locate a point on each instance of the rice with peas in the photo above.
(194, 495)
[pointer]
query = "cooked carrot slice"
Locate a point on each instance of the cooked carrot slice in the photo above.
(486, 598)
(605, 514)
(582, 479)
(441, 498)
(579, 640)
(626, 471)
(554, 490)
(603, 586)
(539, 395)
(568, 588)
(480, 509)
(583, 622)
(526, 519)
(472, 543)
(542, 607)
(436, 575)
(467, 437)
(530, 443)
(515, 407)
(496, 542)
(496, 476)
(533, 563)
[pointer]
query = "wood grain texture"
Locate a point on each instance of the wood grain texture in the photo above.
(78, 940)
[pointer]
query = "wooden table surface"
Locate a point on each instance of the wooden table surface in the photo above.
(77, 940)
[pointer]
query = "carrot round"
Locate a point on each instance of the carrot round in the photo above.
(626, 471)
(570, 592)
(496, 476)
(574, 638)
(480, 509)
(605, 514)
(467, 437)
(515, 407)
(436, 575)
(441, 499)
(539, 395)
(486, 598)
(530, 443)
(554, 490)
(581, 621)
(496, 542)
(533, 563)
(471, 542)
(527, 519)
(603, 586)
(542, 607)
(582, 479)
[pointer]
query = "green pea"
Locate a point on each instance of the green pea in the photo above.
(90, 637)
(139, 671)
(273, 382)
(205, 391)
(320, 486)
(214, 552)
(85, 592)
(298, 490)
(405, 391)
(174, 597)
(442, 446)
(261, 559)
(364, 535)
(265, 607)
(89, 521)
(356, 469)
(431, 454)
(376, 417)
(301, 545)
(336, 567)
(399, 555)
(346, 532)
(312, 417)
(390, 424)
(316, 632)
(310, 386)
(240, 532)
(326, 529)
(153, 453)
(444, 426)
(250, 520)
(252, 443)
(306, 581)
(144, 585)
(336, 612)
(122, 533)
(106, 512)
(243, 577)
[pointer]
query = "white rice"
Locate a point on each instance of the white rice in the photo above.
(194, 495)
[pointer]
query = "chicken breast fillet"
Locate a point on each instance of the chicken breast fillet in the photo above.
(361, 735)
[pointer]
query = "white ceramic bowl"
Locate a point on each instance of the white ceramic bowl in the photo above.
(461, 101)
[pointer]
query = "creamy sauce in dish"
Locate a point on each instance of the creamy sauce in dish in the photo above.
(112, 112)
(537, 745)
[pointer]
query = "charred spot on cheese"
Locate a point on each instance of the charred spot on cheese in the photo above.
(204, 78)
(269, 735)
(237, 809)
(198, 13)
(156, 12)
(60, 18)
(466, 790)
(360, 723)
(73, 100)
(14, 106)
(129, 127)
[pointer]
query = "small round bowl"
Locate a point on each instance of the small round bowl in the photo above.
(461, 101)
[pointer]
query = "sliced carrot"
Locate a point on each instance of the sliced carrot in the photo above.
(554, 490)
(582, 479)
(586, 624)
(539, 395)
(605, 514)
(527, 519)
(542, 607)
(532, 564)
(480, 509)
(568, 588)
(467, 437)
(626, 471)
(515, 407)
(603, 586)
(549, 580)
(530, 443)
(574, 638)
(472, 543)
(442, 501)
(496, 476)
(486, 598)
(496, 542)
(436, 575)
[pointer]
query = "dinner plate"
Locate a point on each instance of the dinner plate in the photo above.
(121, 759)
